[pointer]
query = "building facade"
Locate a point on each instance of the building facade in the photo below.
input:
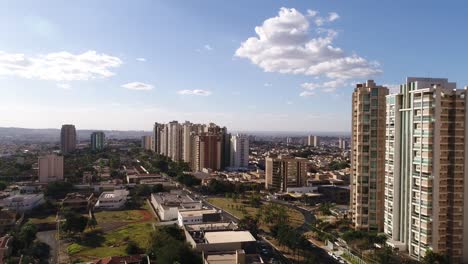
(50, 168)
(239, 151)
(313, 141)
(426, 194)
(98, 140)
(368, 156)
(68, 139)
(147, 142)
(283, 172)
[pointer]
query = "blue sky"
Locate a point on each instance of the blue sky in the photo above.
(126, 64)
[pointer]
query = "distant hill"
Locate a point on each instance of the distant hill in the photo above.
(14, 134)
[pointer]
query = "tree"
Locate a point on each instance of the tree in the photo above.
(92, 223)
(132, 248)
(432, 257)
(27, 234)
(167, 245)
(249, 223)
(74, 222)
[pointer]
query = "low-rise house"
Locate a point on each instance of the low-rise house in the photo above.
(5, 248)
(198, 216)
(77, 201)
(212, 240)
(7, 220)
(23, 202)
(231, 257)
(112, 200)
(167, 205)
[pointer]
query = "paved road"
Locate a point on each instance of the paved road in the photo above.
(48, 237)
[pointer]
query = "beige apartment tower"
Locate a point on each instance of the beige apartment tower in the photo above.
(368, 156)
(282, 172)
(426, 193)
(50, 168)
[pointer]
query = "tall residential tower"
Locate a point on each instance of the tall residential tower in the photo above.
(68, 139)
(368, 156)
(426, 186)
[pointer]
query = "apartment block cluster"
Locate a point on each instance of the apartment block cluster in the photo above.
(409, 168)
(205, 147)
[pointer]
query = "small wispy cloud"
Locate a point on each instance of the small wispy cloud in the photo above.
(139, 86)
(194, 92)
(333, 16)
(64, 86)
(289, 102)
(311, 13)
(267, 84)
(307, 94)
(141, 59)
(208, 47)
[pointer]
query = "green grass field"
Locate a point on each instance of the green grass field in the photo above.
(134, 225)
(295, 217)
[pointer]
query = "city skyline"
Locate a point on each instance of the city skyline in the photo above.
(126, 70)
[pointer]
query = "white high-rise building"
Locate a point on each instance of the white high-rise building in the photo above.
(426, 184)
(239, 151)
(313, 141)
(50, 168)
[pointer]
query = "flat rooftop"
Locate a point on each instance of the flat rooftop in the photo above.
(228, 237)
(211, 226)
(197, 212)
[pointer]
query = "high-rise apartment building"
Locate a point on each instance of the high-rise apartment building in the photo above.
(313, 141)
(207, 152)
(174, 141)
(368, 156)
(157, 138)
(97, 140)
(68, 139)
(50, 168)
(239, 151)
(426, 185)
(147, 142)
(282, 172)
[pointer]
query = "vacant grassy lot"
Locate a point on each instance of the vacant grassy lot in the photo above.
(115, 229)
(118, 216)
(43, 219)
(96, 244)
(295, 217)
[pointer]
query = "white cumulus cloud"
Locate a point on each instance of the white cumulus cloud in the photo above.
(194, 92)
(141, 59)
(138, 86)
(208, 47)
(285, 44)
(58, 66)
(333, 16)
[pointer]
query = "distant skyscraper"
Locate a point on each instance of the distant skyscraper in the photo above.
(313, 141)
(283, 171)
(147, 142)
(368, 156)
(426, 193)
(50, 168)
(97, 140)
(239, 151)
(289, 141)
(68, 139)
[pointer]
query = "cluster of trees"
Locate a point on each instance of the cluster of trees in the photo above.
(58, 189)
(10, 168)
(167, 245)
(188, 180)
(338, 165)
(291, 238)
(24, 243)
(219, 187)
